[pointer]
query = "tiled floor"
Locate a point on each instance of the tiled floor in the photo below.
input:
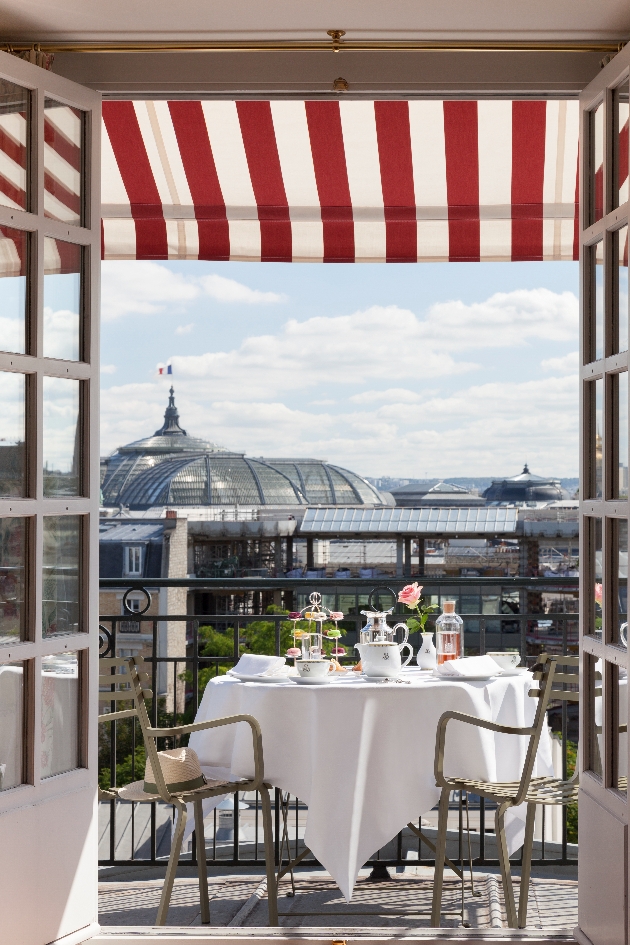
(130, 898)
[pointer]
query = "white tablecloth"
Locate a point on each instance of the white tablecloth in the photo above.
(360, 755)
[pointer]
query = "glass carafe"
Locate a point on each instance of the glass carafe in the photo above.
(450, 634)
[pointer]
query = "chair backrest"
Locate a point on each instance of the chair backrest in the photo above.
(140, 684)
(124, 679)
(114, 685)
(566, 680)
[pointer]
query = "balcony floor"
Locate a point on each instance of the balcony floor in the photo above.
(129, 896)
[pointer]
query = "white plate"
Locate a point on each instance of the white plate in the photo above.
(315, 681)
(246, 677)
(482, 676)
(517, 671)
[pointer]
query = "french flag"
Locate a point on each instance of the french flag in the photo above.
(164, 369)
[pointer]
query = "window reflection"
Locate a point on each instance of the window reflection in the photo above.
(59, 737)
(621, 490)
(62, 299)
(621, 285)
(13, 536)
(13, 263)
(12, 435)
(620, 564)
(598, 428)
(623, 114)
(11, 725)
(594, 753)
(596, 613)
(61, 610)
(597, 166)
(14, 139)
(62, 436)
(63, 141)
(597, 314)
(620, 703)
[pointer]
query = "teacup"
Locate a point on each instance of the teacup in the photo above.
(507, 660)
(313, 669)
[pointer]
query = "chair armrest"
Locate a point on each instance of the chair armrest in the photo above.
(259, 770)
(468, 720)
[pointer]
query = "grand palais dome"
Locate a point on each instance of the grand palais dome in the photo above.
(173, 468)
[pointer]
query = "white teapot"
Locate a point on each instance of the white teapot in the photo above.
(383, 659)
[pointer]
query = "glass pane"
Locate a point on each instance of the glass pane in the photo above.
(597, 167)
(621, 286)
(62, 436)
(12, 435)
(14, 139)
(620, 754)
(597, 303)
(11, 725)
(594, 706)
(61, 612)
(598, 429)
(594, 622)
(13, 262)
(623, 114)
(622, 415)
(62, 299)
(60, 714)
(13, 536)
(620, 555)
(63, 141)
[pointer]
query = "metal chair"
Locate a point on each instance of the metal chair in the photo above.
(134, 684)
(529, 790)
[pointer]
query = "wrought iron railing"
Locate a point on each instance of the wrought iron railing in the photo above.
(521, 617)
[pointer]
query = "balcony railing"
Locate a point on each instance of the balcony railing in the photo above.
(529, 614)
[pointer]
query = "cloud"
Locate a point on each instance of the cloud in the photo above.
(505, 319)
(184, 329)
(147, 288)
(394, 395)
(480, 430)
(108, 368)
(568, 364)
(436, 420)
(228, 290)
(142, 288)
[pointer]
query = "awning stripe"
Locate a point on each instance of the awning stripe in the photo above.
(331, 175)
(263, 161)
(396, 164)
(340, 181)
(529, 121)
(462, 180)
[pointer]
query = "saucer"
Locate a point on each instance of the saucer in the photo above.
(247, 677)
(517, 671)
(380, 678)
(315, 681)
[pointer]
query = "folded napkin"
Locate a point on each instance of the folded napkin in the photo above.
(255, 664)
(470, 666)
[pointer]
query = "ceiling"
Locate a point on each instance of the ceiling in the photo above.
(206, 20)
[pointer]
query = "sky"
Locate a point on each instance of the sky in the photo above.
(411, 371)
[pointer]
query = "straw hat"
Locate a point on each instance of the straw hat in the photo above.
(181, 771)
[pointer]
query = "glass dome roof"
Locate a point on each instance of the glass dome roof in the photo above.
(173, 468)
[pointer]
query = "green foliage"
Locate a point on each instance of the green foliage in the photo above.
(572, 809)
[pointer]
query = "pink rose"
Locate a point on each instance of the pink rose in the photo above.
(598, 594)
(410, 595)
(336, 615)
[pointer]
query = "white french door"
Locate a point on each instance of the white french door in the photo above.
(603, 236)
(49, 498)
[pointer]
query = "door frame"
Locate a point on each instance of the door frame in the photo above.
(60, 808)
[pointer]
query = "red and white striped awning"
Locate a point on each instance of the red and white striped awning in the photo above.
(344, 181)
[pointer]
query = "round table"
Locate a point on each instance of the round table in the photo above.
(360, 754)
